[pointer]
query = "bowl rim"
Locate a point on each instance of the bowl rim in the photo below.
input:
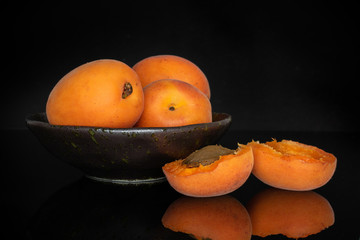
(31, 121)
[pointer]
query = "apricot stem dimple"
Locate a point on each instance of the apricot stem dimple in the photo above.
(206, 156)
(172, 108)
(127, 90)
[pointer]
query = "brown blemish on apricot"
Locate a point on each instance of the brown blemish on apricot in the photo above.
(206, 156)
(127, 90)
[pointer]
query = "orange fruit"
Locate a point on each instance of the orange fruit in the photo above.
(171, 67)
(222, 176)
(172, 103)
(292, 165)
(101, 93)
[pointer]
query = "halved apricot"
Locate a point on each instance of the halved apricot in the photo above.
(210, 171)
(221, 217)
(290, 213)
(292, 165)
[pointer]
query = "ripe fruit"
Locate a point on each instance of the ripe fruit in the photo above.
(210, 171)
(221, 217)
(291, 165)
(171, 67)
(293, 214)
(170, 103)
(101, 93)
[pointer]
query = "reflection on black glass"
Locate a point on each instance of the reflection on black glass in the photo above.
(213, 218)
(293, 214)
(90, 210)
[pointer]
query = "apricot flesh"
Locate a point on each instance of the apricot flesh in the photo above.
(222, 218)
(101, 93)
(173, 103)
(290, 213)
(215, 178)
(292, 165)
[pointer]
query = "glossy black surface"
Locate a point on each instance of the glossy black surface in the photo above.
(46, 198)
(128, 154)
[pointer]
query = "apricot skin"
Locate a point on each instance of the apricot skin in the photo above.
(291, 165)
(101, 93)
(173, 103)
(290, 213)
(219, 178)
(221, 217)
(171, 67)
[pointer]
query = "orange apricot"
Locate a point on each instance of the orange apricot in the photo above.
(172, 103)
(171, 67)
(292, 165)
(219, 218)
(290, 213)
(101, 93)
(210, 171)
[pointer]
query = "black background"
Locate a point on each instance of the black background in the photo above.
(274, 66)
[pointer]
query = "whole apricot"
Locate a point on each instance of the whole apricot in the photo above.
(210, 171)
(172, 103)
(171, 67)
(101, 93)
(292, 165)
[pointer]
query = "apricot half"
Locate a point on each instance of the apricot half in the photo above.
(101, 93)
(290, 213)
(171, 67)
(210, 171)
(292, 165)
(222, 218)
(173, 103)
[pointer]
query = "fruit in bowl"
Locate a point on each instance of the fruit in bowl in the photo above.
(98, 120)
(101, 93)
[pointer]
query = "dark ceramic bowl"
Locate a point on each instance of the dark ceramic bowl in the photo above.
(128, 155)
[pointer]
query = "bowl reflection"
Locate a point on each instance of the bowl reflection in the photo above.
(131, 155)
(91, 210)
(214, 218)
(293, 214)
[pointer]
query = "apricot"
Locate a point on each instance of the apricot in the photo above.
(172, 103)
(217, 218)
(171, 67)
(290, 213)
(292, 165)
(210, 171)
(101, 93)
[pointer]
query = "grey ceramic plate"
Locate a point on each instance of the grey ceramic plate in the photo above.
(131, 155)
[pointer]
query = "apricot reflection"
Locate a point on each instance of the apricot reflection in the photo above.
(293, 214)
(213, 218)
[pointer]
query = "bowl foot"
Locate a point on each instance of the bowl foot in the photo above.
(128, 181)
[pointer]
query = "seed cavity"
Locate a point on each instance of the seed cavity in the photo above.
(127, 90)
(206, 156)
